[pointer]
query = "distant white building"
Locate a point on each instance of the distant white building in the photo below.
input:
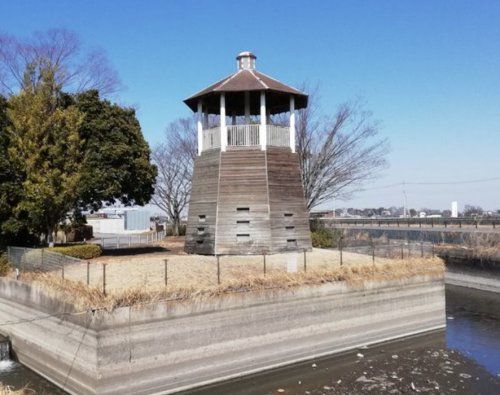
(120, 221)
(454, 209)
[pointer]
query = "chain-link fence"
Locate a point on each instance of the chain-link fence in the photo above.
(157, 270)
(390, 248)
(39, 259)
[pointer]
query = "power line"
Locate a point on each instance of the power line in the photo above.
(399, 184)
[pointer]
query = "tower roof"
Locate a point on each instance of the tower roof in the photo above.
(247, 79)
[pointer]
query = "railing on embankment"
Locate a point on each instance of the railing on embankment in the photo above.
(492, 223)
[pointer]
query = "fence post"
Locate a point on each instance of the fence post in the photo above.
(42, 256)
(166, 272)
(340, 248)
(88, 273)
(218, 270)
(264, 256)
(373, 251)
(409, 247)
(402, 252)
(433, 250)
(421, 249)
(117, 241)
(129, 240)
(62, 267)
(305, 260)
(104, 279)
(9, 257)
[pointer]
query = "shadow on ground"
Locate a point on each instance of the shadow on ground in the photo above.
(134, 251)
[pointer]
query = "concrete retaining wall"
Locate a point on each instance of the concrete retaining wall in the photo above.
(165, 347)
(483, 280)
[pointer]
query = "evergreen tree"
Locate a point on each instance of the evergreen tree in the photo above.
(13, 230)
(45, 147)
(61, 153)
(116, 163)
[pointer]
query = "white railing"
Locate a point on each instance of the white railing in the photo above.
(278, 136)
(211, 138)
(246, 135)
(243, 135)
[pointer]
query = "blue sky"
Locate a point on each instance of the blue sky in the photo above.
(428, 70)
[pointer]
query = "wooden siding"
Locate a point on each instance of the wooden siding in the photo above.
(203, 201)
(243, 184)
(288, 214)
(267, 183)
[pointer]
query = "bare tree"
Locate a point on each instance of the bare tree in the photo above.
(473, 211)
(174, 160)
(337, 154)
(61, 51)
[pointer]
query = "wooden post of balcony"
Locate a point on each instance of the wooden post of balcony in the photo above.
(205, 119)
(247, 108)
(292, 123)
(263, 131)
(200, 128)
(223, 127)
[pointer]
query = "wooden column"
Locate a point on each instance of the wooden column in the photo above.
(292, 123)
(263, 128)
(223, 127)
(199, 125)
(205, 118)
(247, 107)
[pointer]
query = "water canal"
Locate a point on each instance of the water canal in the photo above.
(464, 359)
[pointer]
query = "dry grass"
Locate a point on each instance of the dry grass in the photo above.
(147, 271)
(192, 280)
(6, 390)
(482, 246)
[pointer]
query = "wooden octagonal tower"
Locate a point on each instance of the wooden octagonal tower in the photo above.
(247, 195)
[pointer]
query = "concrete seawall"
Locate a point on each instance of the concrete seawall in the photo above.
(173, 345)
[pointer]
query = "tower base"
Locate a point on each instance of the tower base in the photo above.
(247, 201)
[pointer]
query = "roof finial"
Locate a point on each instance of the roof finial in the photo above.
(246, 60)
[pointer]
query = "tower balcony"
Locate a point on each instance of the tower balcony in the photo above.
(248, 135)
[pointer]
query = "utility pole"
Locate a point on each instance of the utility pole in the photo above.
(405, 202)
